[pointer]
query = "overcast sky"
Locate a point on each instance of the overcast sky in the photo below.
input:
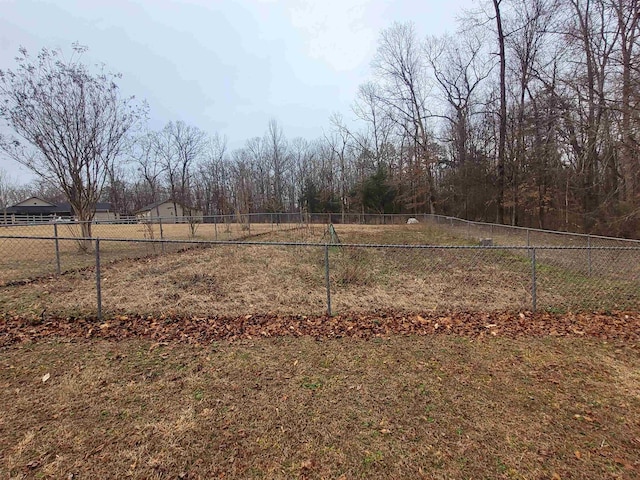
(226, 66)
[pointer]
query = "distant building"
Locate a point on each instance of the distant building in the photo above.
(36, 209)
(169, 211)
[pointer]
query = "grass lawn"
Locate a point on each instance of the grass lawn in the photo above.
(433, 407)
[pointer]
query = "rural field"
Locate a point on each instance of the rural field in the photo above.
(219, 361)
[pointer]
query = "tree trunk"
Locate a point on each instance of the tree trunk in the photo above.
(503, 116)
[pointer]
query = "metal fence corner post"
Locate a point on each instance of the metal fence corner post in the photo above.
(98, 285)
(534, 281)
(327, 278)
(55, 234)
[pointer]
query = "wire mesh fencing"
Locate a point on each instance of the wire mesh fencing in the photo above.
(292, 264)
(205, 278)
(509, 235)
(30, 251)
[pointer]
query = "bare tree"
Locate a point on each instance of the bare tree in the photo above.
(370, 109)
(459, 67)
(149, 168)
(528, 23)
(339, 142)
(177, 147)
(401, 67)
(212, 184)
(242, 186)
(627, 14)
(276, 146)
(592, 35)
(303, 170)
(257, 158)
(70, 124)
(9, 193)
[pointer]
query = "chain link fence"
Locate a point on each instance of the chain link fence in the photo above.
(272, 263)
(37, 249)
(524, 236)
(235, 278)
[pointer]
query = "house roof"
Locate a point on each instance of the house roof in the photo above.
(61, 208)
(39, 209)
(26, 201)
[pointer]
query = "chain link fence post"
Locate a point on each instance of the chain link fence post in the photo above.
(98, 279)
(161, 234)
(528, 237)
(534, 281)
(55, 234)
(589, 255)
(327, 279)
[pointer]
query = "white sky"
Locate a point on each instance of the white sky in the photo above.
(226, 66)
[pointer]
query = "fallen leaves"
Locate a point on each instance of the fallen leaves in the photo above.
(197, 330)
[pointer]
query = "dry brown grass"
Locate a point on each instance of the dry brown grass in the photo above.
(612, 264)
(22, 258)
(417, 234)
(237, 280)
(174, 231)
(434, 407)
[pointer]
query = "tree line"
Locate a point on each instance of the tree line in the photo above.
(528, 115)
